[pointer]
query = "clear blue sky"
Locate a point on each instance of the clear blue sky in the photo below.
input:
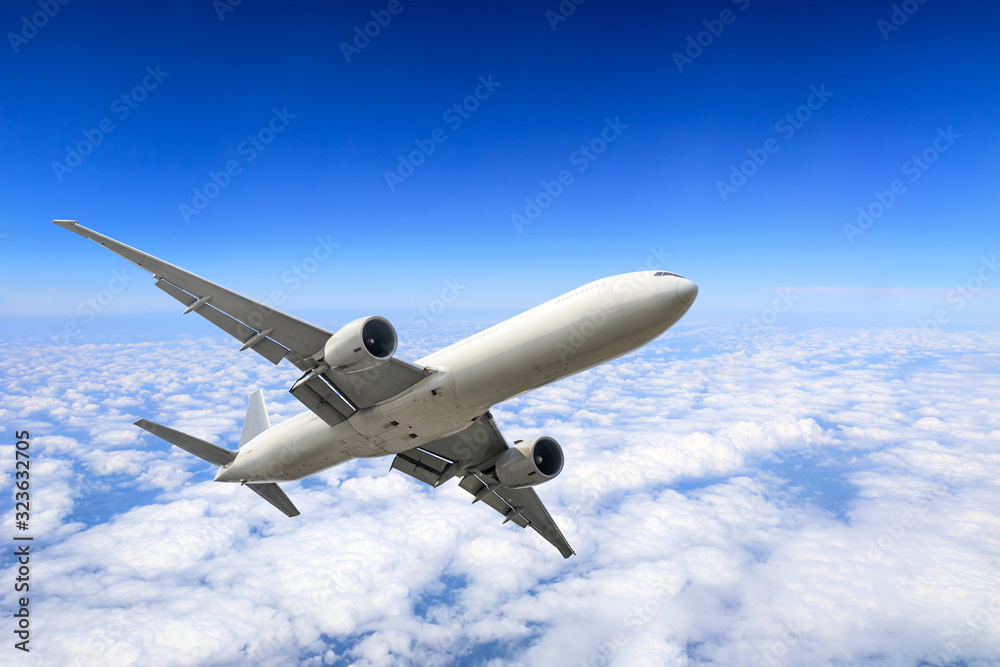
(656, 185)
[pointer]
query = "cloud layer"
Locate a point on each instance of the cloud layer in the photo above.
(811, 497)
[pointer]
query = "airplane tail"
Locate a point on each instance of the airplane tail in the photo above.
(256, 422)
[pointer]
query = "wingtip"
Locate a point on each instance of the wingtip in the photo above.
(65, 223)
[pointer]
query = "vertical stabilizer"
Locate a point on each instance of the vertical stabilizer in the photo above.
(257, 420)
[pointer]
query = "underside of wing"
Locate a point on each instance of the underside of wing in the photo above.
(275, 335)
(271, 333)
(471, 455)
(521, 506)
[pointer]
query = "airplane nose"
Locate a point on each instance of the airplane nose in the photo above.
(687, 291)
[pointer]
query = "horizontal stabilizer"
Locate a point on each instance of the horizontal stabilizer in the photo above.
(273, 494)
(203, 450)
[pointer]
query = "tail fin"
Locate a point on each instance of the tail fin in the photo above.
(256, 423)
(257, 420)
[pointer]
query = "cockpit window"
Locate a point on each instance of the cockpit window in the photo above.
(666, 273)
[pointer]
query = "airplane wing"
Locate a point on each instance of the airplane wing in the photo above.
(272, 334)
(470, 454)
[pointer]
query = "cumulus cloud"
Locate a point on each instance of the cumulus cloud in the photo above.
(810, 497)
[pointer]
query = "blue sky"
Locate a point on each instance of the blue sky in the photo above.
(655, 186)
(802, 471)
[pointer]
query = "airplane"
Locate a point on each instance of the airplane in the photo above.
(432, 415)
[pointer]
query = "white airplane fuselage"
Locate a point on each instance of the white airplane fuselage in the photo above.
(569, 334)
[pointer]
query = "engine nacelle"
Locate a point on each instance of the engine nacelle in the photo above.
(364, 343)
(527, 465)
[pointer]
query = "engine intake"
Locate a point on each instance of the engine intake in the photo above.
(365, 343)
(531, 464)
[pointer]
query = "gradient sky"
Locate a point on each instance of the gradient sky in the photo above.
(734, 477)
(655, 186)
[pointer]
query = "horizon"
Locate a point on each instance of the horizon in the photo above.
(802, 470)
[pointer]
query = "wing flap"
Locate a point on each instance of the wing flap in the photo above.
(272, 334)
(299, 337)
(314, 393)
(478, 443)
(265, 347)
(530, 508)
(367, 388)
(490, 495)
(471, 453)
(425, 467)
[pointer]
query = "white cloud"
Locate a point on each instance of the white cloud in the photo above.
(696, 493)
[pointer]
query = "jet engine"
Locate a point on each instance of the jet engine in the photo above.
(364, 343)
(531, 464)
